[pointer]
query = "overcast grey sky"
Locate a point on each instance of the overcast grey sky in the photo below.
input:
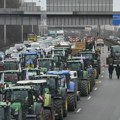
(42, 3)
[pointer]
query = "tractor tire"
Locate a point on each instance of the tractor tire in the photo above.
(78, 95)
(47, 115)
(84, 90)
(89, 87)
(58, 107)
(65, 107)
(71, 102)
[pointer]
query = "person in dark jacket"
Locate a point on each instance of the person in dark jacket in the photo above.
(110, 70)
(117, 69)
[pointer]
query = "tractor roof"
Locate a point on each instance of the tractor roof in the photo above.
(30, 69)
(18, 88)
(30, 53)
(74, 61)
(32, 81)
(45, 59)
(59, 72)
(46, 76)
(10, 71)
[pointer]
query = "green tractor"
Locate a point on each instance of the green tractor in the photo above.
(83, 80)
(24, 103)
(70, 86)
(94, 59)
(59, 95)
(5, 111)
(12, 64)
(9, 77)
(30, 73)
(114, 57)
(46, 64)
(42, 91)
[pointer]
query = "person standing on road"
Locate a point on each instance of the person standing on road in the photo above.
(110, 70)
(117, 69)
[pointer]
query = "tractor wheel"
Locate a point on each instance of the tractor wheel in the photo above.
(78, 95)
(84, 88)
(71, 102)
(95, 73)
(47, 115)
(58, 107)
(65, 107)
(89, 86)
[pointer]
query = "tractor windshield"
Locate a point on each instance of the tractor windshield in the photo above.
(74, 66)
(31, 60)
(17, 95)
(58, 52)
(45, 64)
(87, 56)
(11, 65)
(31, 74)
(10, 77)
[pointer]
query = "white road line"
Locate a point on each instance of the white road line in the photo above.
(89, 97)
(103, 71)
(102, 76)
(95, 88)
(100, 81)
(79, 110)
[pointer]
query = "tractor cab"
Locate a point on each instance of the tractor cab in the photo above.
(9, 77)
(46, 64)
(12, 64)
(29, 59)
(30, 73)
(23, 102)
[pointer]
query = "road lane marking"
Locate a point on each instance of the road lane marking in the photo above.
(103, 71)
(95, 88)
(98, 81)
(79, 110)
(89, 97)
(102, 76)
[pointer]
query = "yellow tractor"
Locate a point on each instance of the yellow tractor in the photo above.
(32, 37)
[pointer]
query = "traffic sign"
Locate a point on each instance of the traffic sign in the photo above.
(116, 19)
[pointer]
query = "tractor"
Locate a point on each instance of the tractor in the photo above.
(59, 94)
(114, 57)
(29, 60)
(9, 77)
(24, 104)
(83, 80)
(69, 85)
(29, 73)
(12, 64)
(46, 64)
(92, 58)
(43, 94)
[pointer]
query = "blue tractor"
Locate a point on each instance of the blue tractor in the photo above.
(69, 85)
(29, 59)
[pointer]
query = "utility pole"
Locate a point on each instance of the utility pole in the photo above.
(5, 25)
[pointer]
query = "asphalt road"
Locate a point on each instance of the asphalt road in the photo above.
(103, 103)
